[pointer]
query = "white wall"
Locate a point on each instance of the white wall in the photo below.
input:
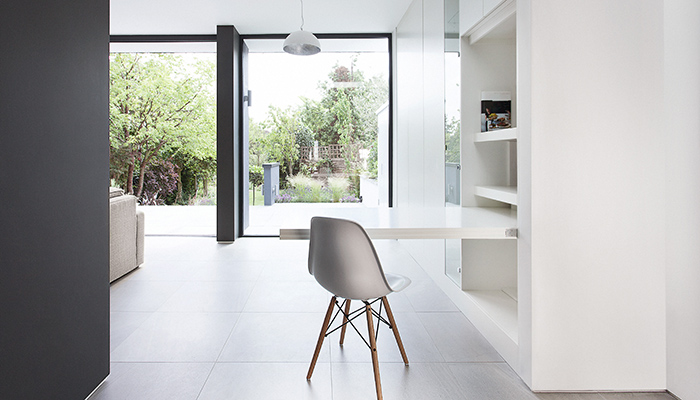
(681, 135)
(420, 140)
(420, 105)
(597, 204)
(409, 107)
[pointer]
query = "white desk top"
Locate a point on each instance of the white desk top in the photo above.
(414, 223)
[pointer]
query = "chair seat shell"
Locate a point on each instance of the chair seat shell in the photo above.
(344, 261)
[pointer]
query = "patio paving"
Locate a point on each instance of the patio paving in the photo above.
(201, 220)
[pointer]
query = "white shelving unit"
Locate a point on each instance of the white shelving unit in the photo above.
(510, 134)
(487, 293)
(489, 161)
(505, 194)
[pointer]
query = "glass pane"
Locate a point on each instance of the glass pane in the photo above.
(452, 104)
(453, 177)
(453, 260)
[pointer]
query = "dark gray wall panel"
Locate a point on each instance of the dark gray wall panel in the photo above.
(54, 221)
(228, 120)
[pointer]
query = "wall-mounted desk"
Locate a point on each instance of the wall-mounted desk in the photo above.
(488, 270)
(413, 223)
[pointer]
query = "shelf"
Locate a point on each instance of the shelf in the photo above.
(493, 313)
(500, 135)
(512, 292)
(410, 223)
(498, 24)
(499, 308)
(505, 194)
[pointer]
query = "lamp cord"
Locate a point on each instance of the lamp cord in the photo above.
(301, 28)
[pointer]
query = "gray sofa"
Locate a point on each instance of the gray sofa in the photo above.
(126, 236)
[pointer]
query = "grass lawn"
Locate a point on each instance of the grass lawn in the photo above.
(259, 198)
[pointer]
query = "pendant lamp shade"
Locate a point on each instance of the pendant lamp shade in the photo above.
(302, 43)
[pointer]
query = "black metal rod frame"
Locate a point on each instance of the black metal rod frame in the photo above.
(355, 314)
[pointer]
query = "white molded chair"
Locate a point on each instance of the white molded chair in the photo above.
(344, 261)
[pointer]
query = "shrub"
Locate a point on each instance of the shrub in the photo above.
(284, 198)
(338, 188)
(350, 199)
(159, 181)
(307, 190)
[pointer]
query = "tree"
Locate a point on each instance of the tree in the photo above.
(256, 177)
(256, 144)
(283, 140)
(160, 108)
(346, 112)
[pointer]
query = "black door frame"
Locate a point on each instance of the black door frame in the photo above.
(390, 48)
(230, 168)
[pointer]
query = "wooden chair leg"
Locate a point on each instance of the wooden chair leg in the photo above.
(324, 328)
(395, 329)
(345, 321)
(373, 345)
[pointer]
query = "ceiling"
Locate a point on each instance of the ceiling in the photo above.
(163, 17)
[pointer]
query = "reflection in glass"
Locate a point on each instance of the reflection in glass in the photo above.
(453, 256)
(453, 260)
(452, 104)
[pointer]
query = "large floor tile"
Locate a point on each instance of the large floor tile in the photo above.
(288, 296)
(227, 270)
(490, 381)
(153, 381)
(399, 303)
(247, 315)
(426, 296)
(568, 396)
(182, 248)
(287, 270)
(395, 259)
(123, 324)
(157, 269)
(136, 295)
(265, 249)
(457, 339)
(209, 297)
(252, 381)
(417, 343)
(637, 396)
(280, 337)
(353, 381)
(177, 337)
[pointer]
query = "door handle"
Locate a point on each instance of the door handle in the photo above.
(247, 97)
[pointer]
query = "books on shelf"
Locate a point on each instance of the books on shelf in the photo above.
(495, 111)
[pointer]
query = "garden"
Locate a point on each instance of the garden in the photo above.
(163, 133)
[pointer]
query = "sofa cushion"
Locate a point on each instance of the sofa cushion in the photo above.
(114, 192)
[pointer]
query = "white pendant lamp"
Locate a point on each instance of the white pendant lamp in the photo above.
(301, 42)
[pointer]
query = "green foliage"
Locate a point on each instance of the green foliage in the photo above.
(372, 160)
(308, 190)
(355, 185)
(280, 144)
(346, 114)
(347, 111)
(256, 144)
(256, 175)
(338, 187)
(452, 142)
(304, 189)
(162, 108)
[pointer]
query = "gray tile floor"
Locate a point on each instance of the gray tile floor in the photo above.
(201, 320)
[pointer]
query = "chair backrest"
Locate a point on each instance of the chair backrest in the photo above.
(344, 261)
